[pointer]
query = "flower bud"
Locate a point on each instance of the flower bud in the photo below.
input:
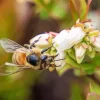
(96, 42)
(79, 53)
(42, 41)
(76, 35)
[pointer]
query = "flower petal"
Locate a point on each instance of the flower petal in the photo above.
(96, 42)
(60, 63)
(79, 53)
(61, 36)
(42, 41)
(76, 35)
(67, 38)
(88, 25)
(61, 41)
(65, 45)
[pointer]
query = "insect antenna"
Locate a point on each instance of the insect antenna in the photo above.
(58, 60)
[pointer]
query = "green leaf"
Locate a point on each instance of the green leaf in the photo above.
(87, 67)
(79, 8)
(90, 71)
(91, 54)
(82, 10)
(87, 8)
(71, 53)
(73, 10)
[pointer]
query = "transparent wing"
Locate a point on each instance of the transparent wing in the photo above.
(10, 68)
(9, 45)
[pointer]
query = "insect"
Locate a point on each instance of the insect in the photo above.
(26, 58)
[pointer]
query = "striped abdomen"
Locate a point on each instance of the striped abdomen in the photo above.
(19, 58)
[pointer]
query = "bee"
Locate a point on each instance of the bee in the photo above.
(26, 58)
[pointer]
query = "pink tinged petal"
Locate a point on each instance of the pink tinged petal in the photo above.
(96, 43)
(42, 41)
(49, 39)
(84, 45)
(92, 39)
(54, 34)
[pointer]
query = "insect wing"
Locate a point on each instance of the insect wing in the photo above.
(10, 68)
(9, 45)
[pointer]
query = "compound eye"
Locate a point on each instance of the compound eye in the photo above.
(44, 57)
(33, 59)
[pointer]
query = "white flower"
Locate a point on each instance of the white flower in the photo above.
(88, 25)
(60, 60)
(61, 36)
(76, 35)
(42, 41)
(96, 42)
(67, 38)
(61, 41)
(79, 53)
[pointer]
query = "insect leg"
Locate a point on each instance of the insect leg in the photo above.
(53, 65)
(33, 44)
(60, 59)
(54, 56)
(27, 46)
(46, 49)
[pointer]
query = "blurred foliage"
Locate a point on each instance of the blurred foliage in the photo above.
(65, 12)
(93, 96)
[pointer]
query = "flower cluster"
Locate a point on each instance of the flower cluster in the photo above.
(82, 39)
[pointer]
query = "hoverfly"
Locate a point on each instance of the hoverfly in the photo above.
(26, 58)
